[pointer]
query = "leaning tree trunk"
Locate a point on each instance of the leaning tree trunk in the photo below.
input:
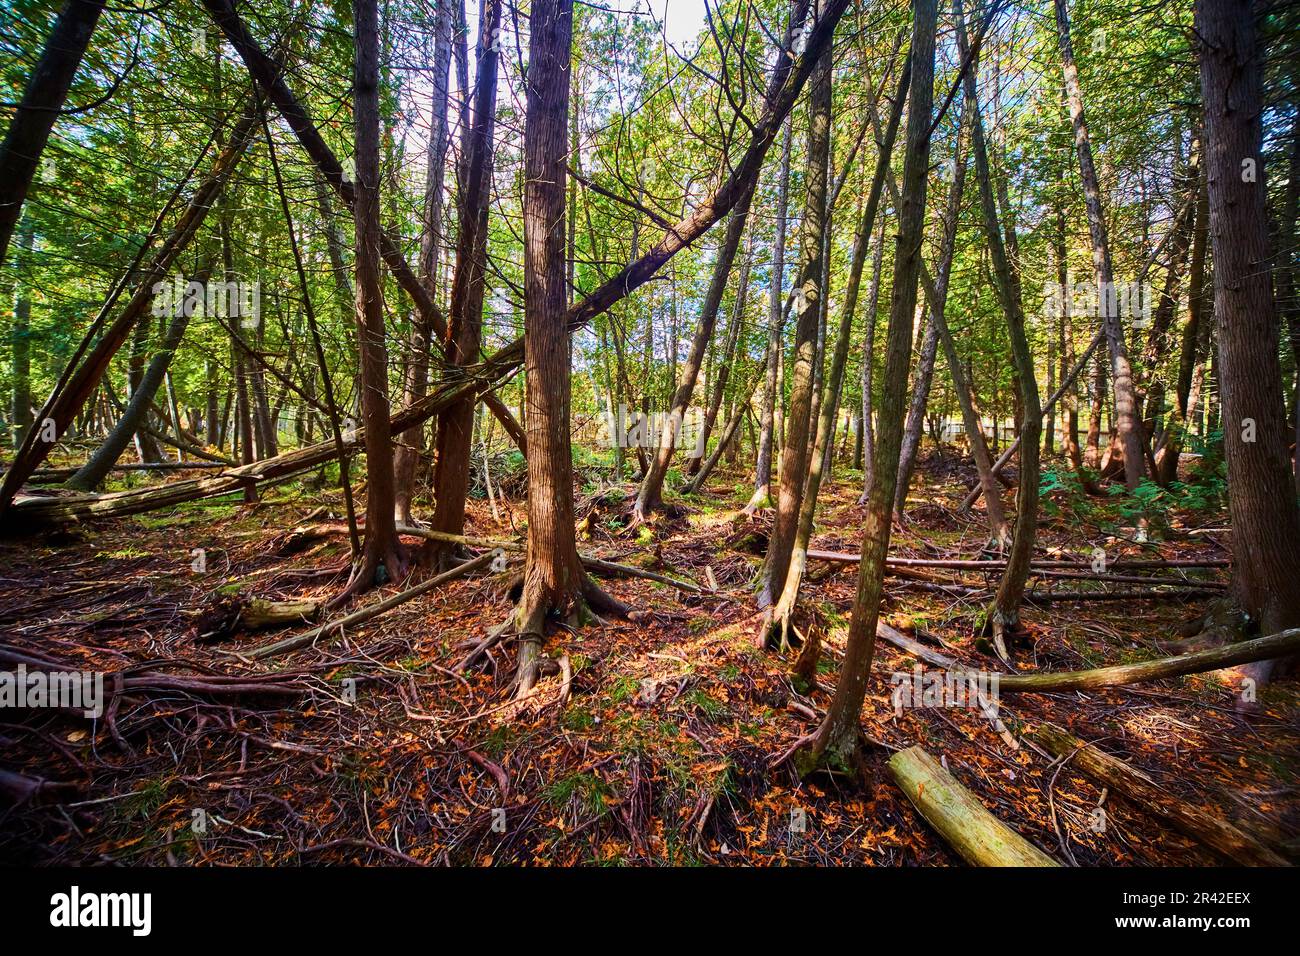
(42, 102)
(1130, 432)
(835, 742)
(381, 558)
(554, 580)
(465, 325)
(1261, 497)
(90, 475)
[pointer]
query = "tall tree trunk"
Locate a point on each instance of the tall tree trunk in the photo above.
(835, 742)
(410, 445)
(1005, 256)
(382, 558)
(1126, 412)
(42, 102)
(1261, 496)
(785, 605)
(808, 303)
(554, 580)
(465, 326)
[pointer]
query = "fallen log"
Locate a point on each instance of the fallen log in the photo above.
(1143, 792)
(333, 628)
(993, 564)
(261, 614)
(1282, 644)
(979, 838)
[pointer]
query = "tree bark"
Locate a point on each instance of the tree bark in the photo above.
(410, 445)
(382, 559)
(554, 580)
(1261, 496)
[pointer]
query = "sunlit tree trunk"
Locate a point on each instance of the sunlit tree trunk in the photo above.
(1130, 433)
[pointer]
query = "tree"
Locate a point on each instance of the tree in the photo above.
(382, 557)
(465, 319)
(411, 444)
(809, 291)
(554, 580)
(1261, 497)
(836, 741)
(1126, 411)
(42, 102)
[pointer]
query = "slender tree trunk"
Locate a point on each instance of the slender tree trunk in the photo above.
(808, 302)
(1126, 412)
(465, 328)
(410, 445)
(382, 558)
(1261, 495)
(825, 419)
(836, 740)
(1005, 257)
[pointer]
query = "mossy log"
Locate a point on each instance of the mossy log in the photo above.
(979, 838)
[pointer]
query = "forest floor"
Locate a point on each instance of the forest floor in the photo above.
(663, 751)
